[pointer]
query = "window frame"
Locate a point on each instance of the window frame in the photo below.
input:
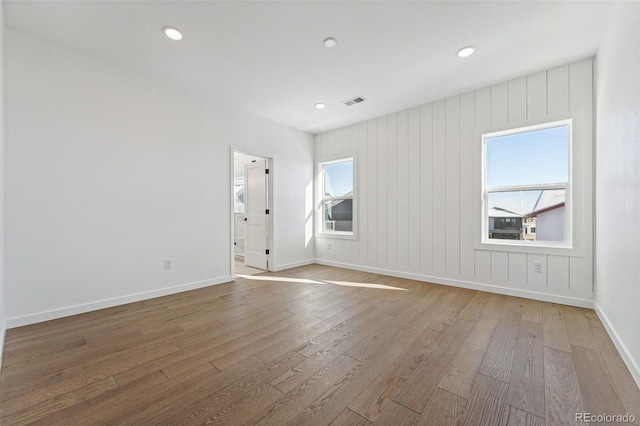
(321, 199)
(573, 242)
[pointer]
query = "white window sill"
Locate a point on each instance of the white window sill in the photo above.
(549, 248)
(337, 235)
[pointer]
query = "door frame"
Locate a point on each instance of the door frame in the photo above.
(269, 165)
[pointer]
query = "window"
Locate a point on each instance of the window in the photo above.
(526, 185)
(238, 191)
(337, 201)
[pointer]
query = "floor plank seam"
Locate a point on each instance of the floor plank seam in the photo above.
(493, 378)
(410, 409)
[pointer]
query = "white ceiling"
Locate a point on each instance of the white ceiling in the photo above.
(267, 58)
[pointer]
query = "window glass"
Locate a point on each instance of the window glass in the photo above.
(338, 215)
(238, 190)
(526, 182)
(338, 179)
(525, 158)
(517, 202)
(524, 211)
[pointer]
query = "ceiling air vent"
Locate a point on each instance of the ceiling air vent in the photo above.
(354, 101)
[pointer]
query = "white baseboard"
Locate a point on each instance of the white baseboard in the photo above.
(279, 268)
(544, 297)
(108, 303)
(627, 357)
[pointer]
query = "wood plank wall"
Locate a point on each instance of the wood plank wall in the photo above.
(415, 188)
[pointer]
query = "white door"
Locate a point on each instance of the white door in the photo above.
(255, 192)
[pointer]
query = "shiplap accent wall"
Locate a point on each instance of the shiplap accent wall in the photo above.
(415, 190)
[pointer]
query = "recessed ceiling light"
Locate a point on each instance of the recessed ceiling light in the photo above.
(330, 42)
(466, 51)
(320, 106)
(172, 33)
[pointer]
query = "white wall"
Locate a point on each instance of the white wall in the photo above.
(416, 193)
(2, 295)
(109, 173)
(618, 182)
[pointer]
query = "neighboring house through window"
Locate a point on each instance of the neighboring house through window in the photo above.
(504, 224)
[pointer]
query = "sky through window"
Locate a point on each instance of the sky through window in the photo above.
(527, 158)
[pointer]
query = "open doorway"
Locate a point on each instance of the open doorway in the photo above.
(251, 230)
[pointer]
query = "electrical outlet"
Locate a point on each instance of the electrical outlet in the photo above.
(328, 246)
(168, 264)
(537, 267)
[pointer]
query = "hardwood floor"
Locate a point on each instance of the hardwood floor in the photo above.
(317, 345)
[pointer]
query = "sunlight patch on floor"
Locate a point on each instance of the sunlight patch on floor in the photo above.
(285, 279)
(365, 285)
(308, 281)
